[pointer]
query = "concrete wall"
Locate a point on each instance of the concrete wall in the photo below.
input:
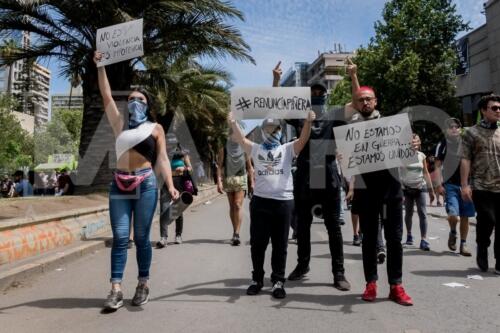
(478, 79)
(493, 19)
(23, 238)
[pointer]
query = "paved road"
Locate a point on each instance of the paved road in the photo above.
(199, 286)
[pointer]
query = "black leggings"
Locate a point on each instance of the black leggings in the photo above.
(269, 219)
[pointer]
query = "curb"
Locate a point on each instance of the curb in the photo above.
(12, 278)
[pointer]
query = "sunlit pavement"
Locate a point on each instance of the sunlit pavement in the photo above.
(199, 286)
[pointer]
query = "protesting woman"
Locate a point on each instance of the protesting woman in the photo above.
(140, 146)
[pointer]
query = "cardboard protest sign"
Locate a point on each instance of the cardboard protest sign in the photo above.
(375, 145)
(276, 103)
(120, 42)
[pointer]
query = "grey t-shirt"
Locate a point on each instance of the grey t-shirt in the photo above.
(234, 160)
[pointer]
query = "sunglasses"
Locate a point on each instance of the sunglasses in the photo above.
(494, 108)
(453, 127)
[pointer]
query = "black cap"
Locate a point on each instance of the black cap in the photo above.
(319, 85)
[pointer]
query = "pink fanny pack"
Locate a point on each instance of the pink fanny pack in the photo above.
(127, 182)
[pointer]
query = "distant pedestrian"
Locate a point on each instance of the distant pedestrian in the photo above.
(22, 187)
(235, 176)
(416, 182)
(180, 164)
(65, 185)
(448, 155)
(481, 160)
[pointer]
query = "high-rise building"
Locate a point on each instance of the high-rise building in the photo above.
(9, 73)
(28, 82)
(327, 69)
(72, 100)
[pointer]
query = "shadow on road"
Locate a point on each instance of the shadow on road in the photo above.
(206, 241)
(351, 256)
(418, 252)
(72, 303)
(234, 289)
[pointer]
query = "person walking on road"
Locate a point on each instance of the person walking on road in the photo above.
(317, 186)
(381, 200)
(271, 205)
(416, 181)
(235, 177)
(180, 165)
(448, 156)
(481, 161)
(140, 143)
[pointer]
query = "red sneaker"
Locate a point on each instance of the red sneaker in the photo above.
(399, 295)
(370, 292)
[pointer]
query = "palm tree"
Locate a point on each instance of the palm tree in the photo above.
(193, 93)
(65, 29)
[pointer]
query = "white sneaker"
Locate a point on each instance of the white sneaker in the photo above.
(178, 239)
(161, 243)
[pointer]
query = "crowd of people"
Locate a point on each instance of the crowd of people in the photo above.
(37, 183)
(290, 183)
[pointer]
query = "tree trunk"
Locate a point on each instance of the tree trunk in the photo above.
(97, 142)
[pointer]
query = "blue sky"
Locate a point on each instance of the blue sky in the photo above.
(295, 30)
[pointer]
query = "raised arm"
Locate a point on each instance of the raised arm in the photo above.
(277, 74)
(114, 117)
(352, 70)
(238, 136)
(300, 143)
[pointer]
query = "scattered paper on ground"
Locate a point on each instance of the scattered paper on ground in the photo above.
(455, 285)
(433, 237)
(475, 277)
(208, 202)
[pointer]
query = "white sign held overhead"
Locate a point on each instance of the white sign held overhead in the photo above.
(120, 42)
(275, 103)
(374, 145)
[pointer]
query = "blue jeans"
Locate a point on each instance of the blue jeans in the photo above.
(140, 204)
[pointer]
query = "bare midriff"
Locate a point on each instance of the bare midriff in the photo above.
(132, 160)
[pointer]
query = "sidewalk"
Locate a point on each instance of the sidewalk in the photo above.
(13, 273)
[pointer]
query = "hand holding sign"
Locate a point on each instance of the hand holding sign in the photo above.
(120, 42)
(97, 57)
(311, 116)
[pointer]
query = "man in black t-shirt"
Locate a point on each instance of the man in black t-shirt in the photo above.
(317, 187)
(448, 155)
